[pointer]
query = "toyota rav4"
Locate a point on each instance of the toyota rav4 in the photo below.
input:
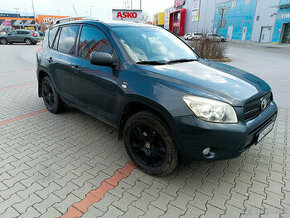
(167, 102)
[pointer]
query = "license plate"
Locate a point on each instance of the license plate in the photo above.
(265, 131)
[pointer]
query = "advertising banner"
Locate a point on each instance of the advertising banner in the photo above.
(196, 5)
(128, 15)
(48, 18)
(6, 23)
(195, 10)
(195, 15)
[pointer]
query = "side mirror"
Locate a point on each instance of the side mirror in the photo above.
(102, 58)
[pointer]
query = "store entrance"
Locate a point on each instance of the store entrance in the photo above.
(286, 33)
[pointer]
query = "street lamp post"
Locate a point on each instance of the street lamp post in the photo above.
(34, 15)
(16, 9)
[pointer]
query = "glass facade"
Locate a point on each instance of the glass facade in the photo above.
(282, 26)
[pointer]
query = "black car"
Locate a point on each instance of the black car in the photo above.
(167, 103)
(29, 37)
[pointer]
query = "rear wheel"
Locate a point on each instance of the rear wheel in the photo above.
(3, 41)
(149, 144)
(28, 41)
(51, 99)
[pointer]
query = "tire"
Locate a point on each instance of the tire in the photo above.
(149, 144)
(3, 41)
(28, 41)
(10, 43)
(51, 99)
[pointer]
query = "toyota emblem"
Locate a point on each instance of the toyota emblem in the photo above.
(264, 103)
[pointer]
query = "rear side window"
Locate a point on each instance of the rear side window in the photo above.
(51, 35)
(67, 39)
(93, 39)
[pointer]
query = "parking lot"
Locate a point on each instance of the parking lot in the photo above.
(73, 165)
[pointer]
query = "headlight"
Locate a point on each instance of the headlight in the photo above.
(211, 110)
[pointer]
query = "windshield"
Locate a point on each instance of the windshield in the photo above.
(150, 44)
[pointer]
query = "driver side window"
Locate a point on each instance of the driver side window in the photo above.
(93, 39)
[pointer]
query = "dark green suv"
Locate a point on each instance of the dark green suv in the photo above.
(168, 103)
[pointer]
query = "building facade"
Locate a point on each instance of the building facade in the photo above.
(9, 21)
(247, 20)
(282, 28)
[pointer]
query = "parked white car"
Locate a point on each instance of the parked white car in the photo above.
(216, 37)
(193, 36)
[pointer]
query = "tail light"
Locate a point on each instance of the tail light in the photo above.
(34, 34)
(39, 49)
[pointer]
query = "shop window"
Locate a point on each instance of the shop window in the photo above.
(248, 2)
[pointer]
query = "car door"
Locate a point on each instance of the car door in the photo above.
(24, 34)
(12, 36)
(61, 58)
(19, 36)
(95, 86)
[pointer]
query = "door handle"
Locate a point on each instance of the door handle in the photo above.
(76, 68)
(50, 60)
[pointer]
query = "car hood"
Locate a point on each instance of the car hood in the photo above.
(211, 79)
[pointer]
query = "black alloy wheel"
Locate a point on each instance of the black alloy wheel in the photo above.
(149, 144)
(51, 100)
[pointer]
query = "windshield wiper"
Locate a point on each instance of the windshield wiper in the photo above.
(151, 62)
(180, 61)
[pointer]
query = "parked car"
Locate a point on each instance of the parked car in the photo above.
(29, 37)
(188, 36)
(216, 37)
(194, 36)
(167, 103)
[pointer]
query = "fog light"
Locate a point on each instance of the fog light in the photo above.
(206, 151)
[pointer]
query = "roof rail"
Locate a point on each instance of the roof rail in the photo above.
(67, 19)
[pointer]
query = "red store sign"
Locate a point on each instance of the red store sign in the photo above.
(126, 14)
(178, 3)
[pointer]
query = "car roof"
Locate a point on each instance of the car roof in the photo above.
(109, 23)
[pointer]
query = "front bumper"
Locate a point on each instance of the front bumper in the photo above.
(225, 140)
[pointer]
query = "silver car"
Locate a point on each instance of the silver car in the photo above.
(29, 37)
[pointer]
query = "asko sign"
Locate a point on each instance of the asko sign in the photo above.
(127, 14)
(178, 3)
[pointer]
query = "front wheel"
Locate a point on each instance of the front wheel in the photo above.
(149, 144)
(51, 99)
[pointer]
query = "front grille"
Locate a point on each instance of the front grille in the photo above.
(253, 108)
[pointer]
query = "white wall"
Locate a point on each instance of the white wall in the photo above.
(264, 9)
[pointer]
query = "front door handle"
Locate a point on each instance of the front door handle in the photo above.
(76, 68)
(50, 60)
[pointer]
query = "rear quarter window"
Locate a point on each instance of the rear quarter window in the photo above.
(51, 35)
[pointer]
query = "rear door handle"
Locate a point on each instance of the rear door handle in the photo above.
(50, 60)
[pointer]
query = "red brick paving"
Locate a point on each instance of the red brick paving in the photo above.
(22, 117)
(81, 207)
(17, 86)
